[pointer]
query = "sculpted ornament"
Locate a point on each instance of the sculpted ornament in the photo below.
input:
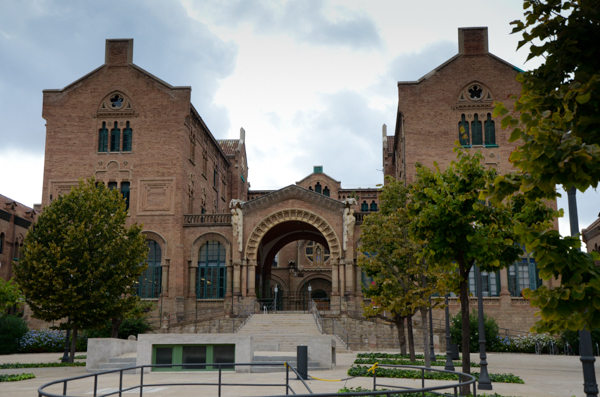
(237, 221)
(349, 220)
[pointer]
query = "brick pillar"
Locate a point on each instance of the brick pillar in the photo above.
(251, 279)
(192, 284)
(165, 279)
(237, 264)
(358, 284)
(504, 282)
(342, 274)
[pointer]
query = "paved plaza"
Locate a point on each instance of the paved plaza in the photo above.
(544, 376)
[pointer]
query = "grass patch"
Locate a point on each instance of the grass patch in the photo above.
(39, 365)
(412, 374)
(15, 377)
(76, 358)
(397, 355)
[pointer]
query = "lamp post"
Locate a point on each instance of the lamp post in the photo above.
(65, 358)
(484, 378)
(431, 349)
(275, 300)
(309, 293)
(449, 364)
(586, 351)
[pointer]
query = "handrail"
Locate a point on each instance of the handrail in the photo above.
(246, 313)
(343, 332)
(395, 389)
(316, 315)
(142, 385)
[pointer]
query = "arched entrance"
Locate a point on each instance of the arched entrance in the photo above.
(310, 246)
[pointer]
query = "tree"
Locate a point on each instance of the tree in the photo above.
(402, 284)
(559, 125)
(460, 230)
(10, 295)
(80, 260)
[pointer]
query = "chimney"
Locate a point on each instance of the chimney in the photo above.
(119, 52)
(473, 41)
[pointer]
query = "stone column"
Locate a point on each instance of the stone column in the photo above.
(237, 265)
(335, 277)
(505, 299)
(192, 284)
(244, 277)
(358, 283)
(251, 278)
(230, 282)
(342, 274)
(165, 279)
(349, 278)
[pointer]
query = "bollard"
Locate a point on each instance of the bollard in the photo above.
(302, 361)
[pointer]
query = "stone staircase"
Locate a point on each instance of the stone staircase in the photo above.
(127, 360)
(282, 332)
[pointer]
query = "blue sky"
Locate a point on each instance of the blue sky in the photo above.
(301, 76)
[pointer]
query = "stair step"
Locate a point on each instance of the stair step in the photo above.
(123, 360)
(108, 366)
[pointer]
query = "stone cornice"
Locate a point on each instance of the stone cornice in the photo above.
(293, 192)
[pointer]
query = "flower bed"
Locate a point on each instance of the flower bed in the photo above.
(39, 365)
(48, 341)
(400, 361)
(15, 377)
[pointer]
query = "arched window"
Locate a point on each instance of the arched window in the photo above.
(127, 136)
(1, 242)
(326, 191)
(211, 277)
(463, 136)
(17, 253)
(115, 138)
(103, 138)
(490, 131)
(310, 188)
(373, 207)
(318, 188)
(476, 134)
(150, 282)
(364, 207)
(316, 253)
(125, 193)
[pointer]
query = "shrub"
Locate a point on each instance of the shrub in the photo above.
(573, 338)
(527, 344)
(48, 341)
(129, 326)
(491, 331)
(15, 377)
(12, 329)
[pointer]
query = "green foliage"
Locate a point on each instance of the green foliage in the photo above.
(10, 294)
(362, 389)
(80, 260)
(412, 374)
(395, 355)
(40, 365)
(557, 123)
(527, 344)
(15, 377)
(491, 331)
(129, 326)
(573, 338)
(46, 341)
(12, 329)
(398, 361)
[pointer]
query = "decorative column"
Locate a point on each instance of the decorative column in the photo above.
(251, 278)
(505, 299)
(349, 277)
(237, 264)
(342, 274)
(335, 277)
(230, 282)
(358, 285)
(244, 280)
(164, 289)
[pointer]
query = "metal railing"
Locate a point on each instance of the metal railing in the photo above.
(340, 332)
(316, 315)
(141, 386)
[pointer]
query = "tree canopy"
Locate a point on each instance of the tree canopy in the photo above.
(80, 260)
(458, 229)
(558, 125)
(10, 295)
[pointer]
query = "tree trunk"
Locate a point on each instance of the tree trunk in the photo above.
(399, 321)
(411, 340)
(116, 323)
(73, 343)
(425, 332)
(466, 330)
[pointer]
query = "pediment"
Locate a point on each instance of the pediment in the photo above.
(293, 192)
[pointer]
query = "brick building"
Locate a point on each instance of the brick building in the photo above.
(15, 220)
(431, 111)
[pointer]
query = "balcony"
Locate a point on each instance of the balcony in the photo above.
(207, 220)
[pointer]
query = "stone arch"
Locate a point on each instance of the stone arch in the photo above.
(161, 241)
(281, 281)
(124, 105)
(293, 214)
(460, 93)
(203, 239)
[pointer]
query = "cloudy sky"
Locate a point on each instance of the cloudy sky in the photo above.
(310, 81)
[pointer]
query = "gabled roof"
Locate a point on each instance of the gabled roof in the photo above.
(314, 173)
(293, 192)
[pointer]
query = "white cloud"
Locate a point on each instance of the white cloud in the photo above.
(22, 176)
